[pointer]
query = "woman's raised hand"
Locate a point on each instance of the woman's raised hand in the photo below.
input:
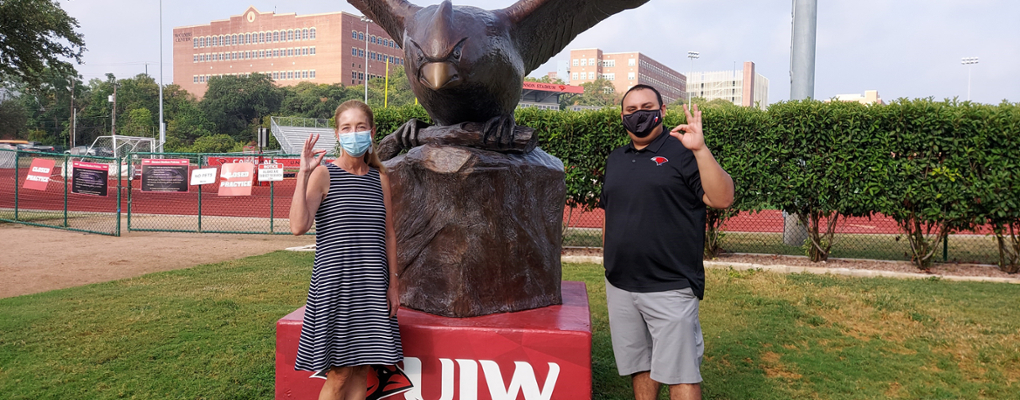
(308, 155)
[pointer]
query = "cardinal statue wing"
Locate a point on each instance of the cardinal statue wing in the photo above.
(389, 14)
(542, 28)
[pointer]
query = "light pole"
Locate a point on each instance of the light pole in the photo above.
(968, 61)
(367, 22)
(693, 55)
(162, 126)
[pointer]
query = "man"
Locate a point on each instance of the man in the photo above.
(654, 196)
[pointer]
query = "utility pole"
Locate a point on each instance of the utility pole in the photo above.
(73, 114)
(802, 86)
(113, 114)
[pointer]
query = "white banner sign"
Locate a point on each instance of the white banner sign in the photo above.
(270, 172)
(203, 176)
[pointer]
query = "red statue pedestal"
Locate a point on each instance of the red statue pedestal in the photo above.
(543, 353)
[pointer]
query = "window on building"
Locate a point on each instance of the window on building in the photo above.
(262, 37)
(276, 36)
(194, 79)
(311, 33)
(354, 75)
(234, 40)
(630, 63)
(584, 62)
(609, 63)
(630, 76)
(354, 34)
(312, 74)
(609, 76)
(290, 75)
(361, 36)
(304, 34)
(591, 75)
(591, 61)
(573, 76)
(304, 74)
(290, 35)
(354, 52)
(304, 51)
(313, 51)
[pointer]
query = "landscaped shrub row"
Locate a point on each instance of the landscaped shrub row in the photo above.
(934, 166)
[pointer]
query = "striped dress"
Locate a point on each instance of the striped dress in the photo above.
(346, 321)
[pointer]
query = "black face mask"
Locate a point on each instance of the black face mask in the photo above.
(642, 122)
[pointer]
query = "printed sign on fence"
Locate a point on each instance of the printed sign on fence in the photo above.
(89, 178)
(39, 174)
(164, 175)
(270, 172)
(203, 176)
(236, 179)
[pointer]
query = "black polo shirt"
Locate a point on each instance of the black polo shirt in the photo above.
(655, 218)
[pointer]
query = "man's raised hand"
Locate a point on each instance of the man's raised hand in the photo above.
(690, 134)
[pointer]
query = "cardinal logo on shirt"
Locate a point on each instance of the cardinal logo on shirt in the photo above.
(659, 160)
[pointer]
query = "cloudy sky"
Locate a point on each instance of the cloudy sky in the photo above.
(902, 48)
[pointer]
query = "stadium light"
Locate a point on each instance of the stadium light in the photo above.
(968, 61)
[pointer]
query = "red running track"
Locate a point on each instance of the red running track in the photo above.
(258, 205)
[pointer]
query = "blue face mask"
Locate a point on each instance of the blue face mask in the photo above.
(354, 144)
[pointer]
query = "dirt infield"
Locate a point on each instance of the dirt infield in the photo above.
(38, 259)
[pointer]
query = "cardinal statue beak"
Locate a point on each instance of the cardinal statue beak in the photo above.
(437, 75)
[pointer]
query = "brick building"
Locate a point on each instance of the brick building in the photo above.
(321, 48)
(625, 70)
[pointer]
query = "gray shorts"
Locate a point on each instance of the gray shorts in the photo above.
(657, 332)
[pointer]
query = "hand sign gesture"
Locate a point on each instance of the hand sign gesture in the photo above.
(691, 137)
(308, 155)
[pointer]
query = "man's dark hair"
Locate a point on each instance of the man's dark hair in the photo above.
(642, 86)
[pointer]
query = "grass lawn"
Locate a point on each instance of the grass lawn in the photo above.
(208, 332)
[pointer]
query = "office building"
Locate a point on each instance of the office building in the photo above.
(870, 97)
(625, 70)
(744, 87)
(321, 48)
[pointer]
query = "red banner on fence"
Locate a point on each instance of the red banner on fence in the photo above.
(236, 179)
(288, 163)
(39, 174)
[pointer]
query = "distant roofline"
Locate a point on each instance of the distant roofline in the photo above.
(270, 13)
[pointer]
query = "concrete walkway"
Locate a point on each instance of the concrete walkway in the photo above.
(787, 269)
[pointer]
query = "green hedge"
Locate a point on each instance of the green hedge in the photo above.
(934, 166)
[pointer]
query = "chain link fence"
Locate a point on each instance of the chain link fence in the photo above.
(36, 189)
(878, 237)
(267, 209)
(202, 209)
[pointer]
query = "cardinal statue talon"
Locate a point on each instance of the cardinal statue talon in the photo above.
(498, 132)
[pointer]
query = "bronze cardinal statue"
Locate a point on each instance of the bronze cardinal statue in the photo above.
(466, 65)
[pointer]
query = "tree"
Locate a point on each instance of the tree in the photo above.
(12, 120)
(399, 93)
(597, 93)
(139, 122)
(309, 100)
(236, 104)
(34, 36)
(545, 79)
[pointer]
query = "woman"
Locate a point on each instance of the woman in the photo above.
(350, 317)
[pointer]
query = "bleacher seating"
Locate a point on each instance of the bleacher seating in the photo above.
(291, 138)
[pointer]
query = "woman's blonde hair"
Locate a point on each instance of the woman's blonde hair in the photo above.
(371, 157)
